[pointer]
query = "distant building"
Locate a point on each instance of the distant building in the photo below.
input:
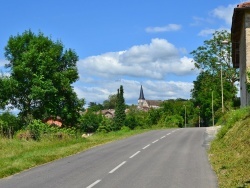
(144, 104)
(108, 113)
(56, 121)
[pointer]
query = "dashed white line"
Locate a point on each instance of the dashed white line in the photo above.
(163, 137)
(117, 167)
(93, 184)
(155, 141)
(146, 146)
(134, 154)
(168, 134)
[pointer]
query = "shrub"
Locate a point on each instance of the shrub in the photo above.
(9, 124)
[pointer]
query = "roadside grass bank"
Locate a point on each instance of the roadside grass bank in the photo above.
(18, 155)
(229, 153)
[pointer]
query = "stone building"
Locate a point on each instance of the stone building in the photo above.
(240, 37)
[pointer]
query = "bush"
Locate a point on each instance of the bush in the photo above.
(9, 124)
(90, 122)
(105, 126)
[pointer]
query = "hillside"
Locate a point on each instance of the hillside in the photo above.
(229, 153)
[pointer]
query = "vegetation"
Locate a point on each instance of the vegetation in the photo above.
(229, 152)
(120, 108)
(17, 155)
(41, 74)
(212, 59)
(39, 86)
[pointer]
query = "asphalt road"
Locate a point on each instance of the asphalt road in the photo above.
(174, 158)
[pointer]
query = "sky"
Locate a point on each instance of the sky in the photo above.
(129, 43)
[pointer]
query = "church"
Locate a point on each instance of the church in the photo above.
(144, 104)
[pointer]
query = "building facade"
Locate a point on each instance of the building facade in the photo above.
(240, 38)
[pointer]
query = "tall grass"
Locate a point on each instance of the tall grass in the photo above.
(18, 155)
(230, 152)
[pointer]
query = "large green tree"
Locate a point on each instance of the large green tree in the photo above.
(212, 59)
(215, 53)
(41, 74)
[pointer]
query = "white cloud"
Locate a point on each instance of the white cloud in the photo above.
(154, 60)
(169, 27)
(224, 13)
(206, 32)
(153, 90)
(2, 63)
(147, 65)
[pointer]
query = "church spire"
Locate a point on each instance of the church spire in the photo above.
(141, 97)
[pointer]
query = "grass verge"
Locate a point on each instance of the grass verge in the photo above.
(229, 153)
(18, 155)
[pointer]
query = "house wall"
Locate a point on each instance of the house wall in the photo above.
(245, 59)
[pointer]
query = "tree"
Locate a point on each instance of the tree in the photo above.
(120, 115)
(110, 102)
(94, 107)
(213, 54)
(42, 72)
(211, 59)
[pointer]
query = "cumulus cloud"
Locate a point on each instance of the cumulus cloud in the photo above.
(153, 90)
(154, 60)
(146, 65)
(2, 63)
(169, 27)
(224, 13)
(206, 32)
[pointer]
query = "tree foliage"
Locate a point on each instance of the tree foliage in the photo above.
(212, 59)
(110, 102)
(41, 74)
(120, 107)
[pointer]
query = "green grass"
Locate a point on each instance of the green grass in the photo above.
(18, 155)
(229, 153)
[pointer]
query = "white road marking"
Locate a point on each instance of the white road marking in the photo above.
(168, 134)
(146, 146)
(117, 167)
(163, 137)
(93, 184)
(134, 154)
(155, 141)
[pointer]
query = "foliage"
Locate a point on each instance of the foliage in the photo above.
(212, 59)
(41, 74)
(120, 107)
(174, 121)
(105, 125)
(9, 124)
(110, 102)
(37, 129)
(95, 107)
(90, 121)
(213, 54)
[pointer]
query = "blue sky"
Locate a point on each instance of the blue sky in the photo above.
(129, 43)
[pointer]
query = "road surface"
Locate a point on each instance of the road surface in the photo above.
(171, 158)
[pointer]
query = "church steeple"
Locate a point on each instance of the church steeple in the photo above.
(141, 97)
